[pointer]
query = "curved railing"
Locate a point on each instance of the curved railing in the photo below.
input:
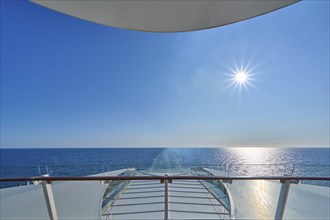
(114, 189)
(217, 189)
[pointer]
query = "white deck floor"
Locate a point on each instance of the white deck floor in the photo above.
(74, 200)
(187, 200)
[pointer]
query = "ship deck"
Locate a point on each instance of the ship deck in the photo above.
(187, 199)
(145, 199)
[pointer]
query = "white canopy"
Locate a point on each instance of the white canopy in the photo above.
(164, 15)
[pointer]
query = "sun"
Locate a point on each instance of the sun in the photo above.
(241, 77)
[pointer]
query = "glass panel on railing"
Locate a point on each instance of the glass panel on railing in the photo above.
(114, 189)
(254, 199)
(313, 170)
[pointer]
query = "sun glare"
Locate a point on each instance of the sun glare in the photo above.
(251, 154)
(241, 77)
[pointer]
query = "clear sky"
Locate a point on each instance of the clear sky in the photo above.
(67, 82)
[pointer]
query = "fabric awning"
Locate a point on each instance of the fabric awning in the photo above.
(164, 15)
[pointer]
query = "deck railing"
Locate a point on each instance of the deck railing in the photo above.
(161, 178)
(166, 179)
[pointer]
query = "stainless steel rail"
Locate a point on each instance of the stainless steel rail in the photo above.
(162, 178)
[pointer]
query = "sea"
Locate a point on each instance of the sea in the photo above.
(236, 161)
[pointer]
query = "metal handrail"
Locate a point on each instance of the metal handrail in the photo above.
(104, 178)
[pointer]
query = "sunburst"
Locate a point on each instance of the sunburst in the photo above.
(241, 77)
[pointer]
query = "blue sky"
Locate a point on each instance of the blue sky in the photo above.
(67, 82)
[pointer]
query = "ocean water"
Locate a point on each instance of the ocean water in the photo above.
(238, 161)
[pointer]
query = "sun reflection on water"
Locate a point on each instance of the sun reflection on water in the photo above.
(251, 154)
(252, 161)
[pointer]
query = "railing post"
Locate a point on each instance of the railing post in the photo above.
(166, 197)
(49, 198)
(282, 198)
